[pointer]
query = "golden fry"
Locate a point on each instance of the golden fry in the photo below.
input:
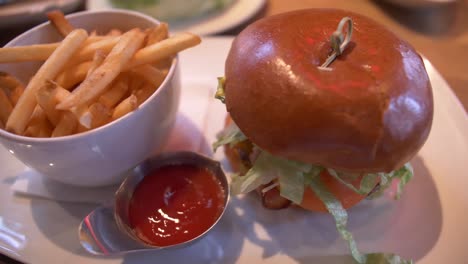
(39, 52)
(113, 96)
(114, 33)
(157, 34)
(125, 107)
(144, 92)
(163, 49)
(16, 94)
(58, 20)
(96, 116)
(100, 79)
(135, 82)
(5, 107)
(70, 77)
(48, 71)
(98, 58)
(8, 82)
(66, 126)
(150, 74)
(87, 52)
(47, 100)
(38, 116)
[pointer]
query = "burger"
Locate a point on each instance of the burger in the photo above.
(321, 115)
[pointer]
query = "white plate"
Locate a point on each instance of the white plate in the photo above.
(429, 224)
(236, 14)
(29, 11)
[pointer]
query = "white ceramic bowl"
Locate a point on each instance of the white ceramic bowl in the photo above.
(103, 155)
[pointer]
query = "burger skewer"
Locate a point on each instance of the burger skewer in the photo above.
(339, 41)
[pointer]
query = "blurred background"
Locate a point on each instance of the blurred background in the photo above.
(437, 28)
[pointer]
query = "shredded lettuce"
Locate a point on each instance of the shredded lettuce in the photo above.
(220, 90)
(230, 135)
(335, 208)
(340, 215)
(267, 168)
(404, 174)
(367, 183)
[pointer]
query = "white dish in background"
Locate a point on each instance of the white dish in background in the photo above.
(427, 224)
(420, 3)
(235, 14)
(32, 11)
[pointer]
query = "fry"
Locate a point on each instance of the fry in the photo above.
(32, 131)
(37, 52)
(100, 79)
(45, 130)
(114, 33)
(16, 94)
(87, 52)
(2, 126)
(66, 126)
(157, 34)
(8, 82)
(112, 96)
(150, 74)
(97, 115)
(125, 107)
(144, 92)
(98, 58)
(58, 20)
(47, 99)
(5, 107)
(162, 49)
(38, 116)
(40, 52)
(70, 77)
(51, 67)
(135, 82)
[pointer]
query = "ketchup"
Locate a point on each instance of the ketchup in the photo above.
(174, 204)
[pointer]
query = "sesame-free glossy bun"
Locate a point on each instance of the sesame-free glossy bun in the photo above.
(371, 113)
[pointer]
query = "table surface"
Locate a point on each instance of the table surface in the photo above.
(439, 32)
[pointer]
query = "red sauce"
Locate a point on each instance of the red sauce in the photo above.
(174, 204)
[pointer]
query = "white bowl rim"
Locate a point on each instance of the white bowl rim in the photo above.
(70, 138)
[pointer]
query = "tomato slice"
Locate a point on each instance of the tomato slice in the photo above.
(345, 195)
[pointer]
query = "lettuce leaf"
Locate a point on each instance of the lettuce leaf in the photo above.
(230, 135)
(340, 216)
(367, 183)
(220, 90)
(404, 174)
(266, 168)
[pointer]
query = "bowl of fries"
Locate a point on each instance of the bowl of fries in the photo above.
(86, 97)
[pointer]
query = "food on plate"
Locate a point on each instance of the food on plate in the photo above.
(86, 80)
(175, 203)
(322, 116)
(173, 10)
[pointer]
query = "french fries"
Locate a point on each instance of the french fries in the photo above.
(5, 107)
(99, 80)
(150, 74)
(115, 94)
(86, 81)
(125, 107)
(22, 112)
(16, 94)
(62, 25)
(157, 34)
(98, 58)
(74, 75)
(66, 126)
(163, 49)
